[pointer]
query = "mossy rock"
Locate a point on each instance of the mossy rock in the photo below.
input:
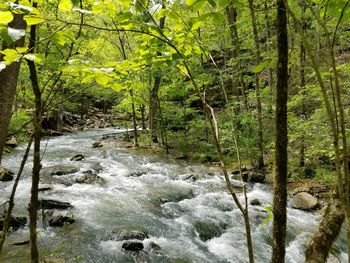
(60, 170)
(166, 194)
(208, 230)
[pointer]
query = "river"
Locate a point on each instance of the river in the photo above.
(152, 193)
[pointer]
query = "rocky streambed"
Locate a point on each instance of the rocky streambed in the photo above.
(101, 203)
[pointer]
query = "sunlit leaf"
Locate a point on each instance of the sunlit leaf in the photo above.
(5, 17)
(33, 20)
(65, 5)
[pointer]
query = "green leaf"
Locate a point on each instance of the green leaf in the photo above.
(263, 65)
(212, 3)
(65, 5)
(5, 17)
(140, 5)
(102, 80)
(38, 58)
(21, 49)
(33, 20)
(61, 38)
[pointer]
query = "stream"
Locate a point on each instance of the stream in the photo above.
(183, 207)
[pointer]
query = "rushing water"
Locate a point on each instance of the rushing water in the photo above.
(164, 200)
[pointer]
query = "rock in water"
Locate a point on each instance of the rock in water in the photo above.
(12, 142)
(255, 202)
(128, 233)
(89, 177)
(60, 219)
(5, 175)
(53, 204)
(304, 201)
(132, 245)
(60, 170)
(253, 177)
(15, 222)
(97, 145)
(78, 157)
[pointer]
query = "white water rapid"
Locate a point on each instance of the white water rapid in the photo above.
(191, 220)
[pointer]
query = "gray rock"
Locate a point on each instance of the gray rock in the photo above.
(97, 145)
(304, 201)
(132, 245)
(89, 177)
(127, 233)
(78, 157)
(61, 220)
(300, 190)
(253, 177)
(53, 204)
(60, 170)
(5, 175)
(207, 230)
(12, 142)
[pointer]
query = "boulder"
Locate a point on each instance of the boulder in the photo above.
(127, 233)
(255, 202)
(97, 145)
(207, 230)
(53, 204)
(15, 222)
(52, 133)
(60, 170)
(300, 190)
(253, 177)
(132, 245)
(78, 157)
(12, 142)
(136, 174)
(304, 201)
(5, 175)
(59, 219)
(164, 194)
(89, 177)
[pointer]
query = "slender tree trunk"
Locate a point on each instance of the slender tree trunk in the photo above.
(153, 108)
(8, 83)
(153, 100)
(231, 13)
(302, 85)
(260, 139)
(34, 204)
(136, 143)
(281, 158)
(12, 196)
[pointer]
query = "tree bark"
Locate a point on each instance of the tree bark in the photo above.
(260, 139)
(153, 100)
(231, 13)
(318, 248)
(33, 205)
(12, 196)
(8, 83)
(281, 141)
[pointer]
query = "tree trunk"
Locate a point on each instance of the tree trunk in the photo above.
(281, 158)
(153, 108)
(136, 143)
(153, 100)
(8, 83)
(318, 248)
(12, 196)
(260, 140)
(33, 205)
(231, 13)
